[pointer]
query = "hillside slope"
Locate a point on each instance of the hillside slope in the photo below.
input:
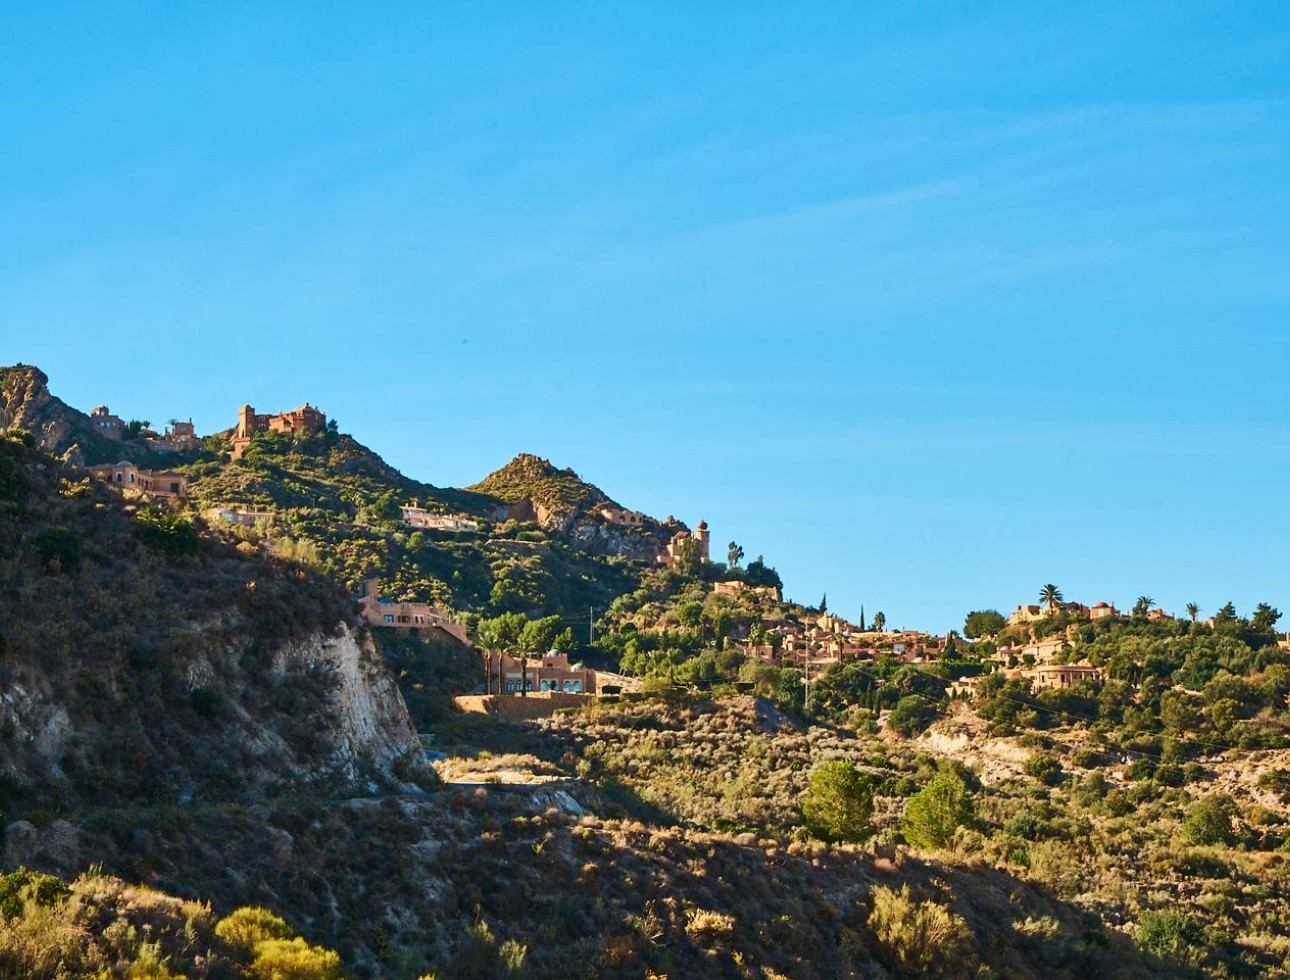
(145, 661)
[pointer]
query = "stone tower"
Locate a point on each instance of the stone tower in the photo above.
(701, 540)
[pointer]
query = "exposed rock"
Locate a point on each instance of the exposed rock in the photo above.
(59, 429)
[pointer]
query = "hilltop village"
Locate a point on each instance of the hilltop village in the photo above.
(784, 636)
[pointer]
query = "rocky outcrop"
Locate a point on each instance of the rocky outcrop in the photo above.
(59, 429)
(564, 504)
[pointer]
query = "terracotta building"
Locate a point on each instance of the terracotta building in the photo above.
(550, 672)
(151, 483)
(178, 437)
(302, 419)
(406, 615)
(106, 423)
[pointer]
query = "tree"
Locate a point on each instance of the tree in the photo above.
(1209, 821)
(1143, 605)
(838, 805)
(538, 635)
(734, 555)
(879, 622)
(1045, 768)
(1193, 611)
(1050, 595)
(911, 715)
(824, 603)
(759, 573)
(687, 557)
(1264, 619)
(936, 811)
(1225, 615)
(983, 622)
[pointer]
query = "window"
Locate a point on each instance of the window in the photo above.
(389, 619)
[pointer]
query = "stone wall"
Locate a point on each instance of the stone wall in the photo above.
(512, 707)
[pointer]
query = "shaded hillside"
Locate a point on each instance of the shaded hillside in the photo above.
(146, 661)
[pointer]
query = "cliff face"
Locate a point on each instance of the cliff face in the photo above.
(143, 662)
(62, 431)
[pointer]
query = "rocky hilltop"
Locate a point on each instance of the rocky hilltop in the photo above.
(562, 502)
(25, 403)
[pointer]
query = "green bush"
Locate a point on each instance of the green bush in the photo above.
(18, 887)
(1045, 768)
(58, 547)
(294, 959)
(1209, 821)
(1170, 935)
(838, 805)
(921, 939)
(936, 811)
(251, 925)
(911, 715)
(166, 530)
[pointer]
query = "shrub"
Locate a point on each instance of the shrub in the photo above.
(838, 805)
(920, 939)
(1209, 821)
(936, 811)
(1170, 935)
(294, 959)
(19, 887)
(149, 964)
(251, 925)
(709, 926)
(165, 530)
(58, 548)
(1045, 768)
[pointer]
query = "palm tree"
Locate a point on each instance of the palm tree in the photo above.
(1193, 611)
(1143, 605)
(1051, 595)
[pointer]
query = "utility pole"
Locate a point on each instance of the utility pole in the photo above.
(591, 625)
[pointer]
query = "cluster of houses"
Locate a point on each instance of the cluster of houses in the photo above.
(306, 418)
(178, 436)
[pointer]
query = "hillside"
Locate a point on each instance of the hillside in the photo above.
(193, 704)
(166, 665)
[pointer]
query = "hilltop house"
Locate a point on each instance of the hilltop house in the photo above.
(1032, 613)
(623, 518)
(415, 516)
(302, 419)
(736, 589)
(159, 484)
(178, 437)
(677, 546)
(406, 615)
(106, 423)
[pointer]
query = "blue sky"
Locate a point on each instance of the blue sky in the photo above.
(928, 303)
